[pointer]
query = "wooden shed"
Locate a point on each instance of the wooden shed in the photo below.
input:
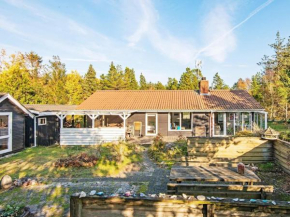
(16, 125)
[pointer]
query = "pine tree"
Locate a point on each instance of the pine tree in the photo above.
(143, 83)
(90, 82)
(218, 83)
(130, 79)
(189, 79)
(114, 80)
(159, 86)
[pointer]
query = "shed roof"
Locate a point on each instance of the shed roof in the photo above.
(170, 100)
(49, 107)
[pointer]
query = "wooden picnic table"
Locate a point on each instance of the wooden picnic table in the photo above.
(212, 174)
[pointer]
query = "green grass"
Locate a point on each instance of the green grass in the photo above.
(279, 126)
(266, 167)
(38, 161)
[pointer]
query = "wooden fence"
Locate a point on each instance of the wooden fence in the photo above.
(282, 154)
(90, 136)
(109, 207)
(229, 150)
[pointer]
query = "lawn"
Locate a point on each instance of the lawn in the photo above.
(38, 162)
(279, 126)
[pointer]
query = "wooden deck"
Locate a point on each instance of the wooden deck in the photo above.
(212, 174)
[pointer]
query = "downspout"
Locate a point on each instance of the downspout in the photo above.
(210, 124)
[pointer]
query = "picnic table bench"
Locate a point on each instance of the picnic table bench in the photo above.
(216, 181)
(212, 174)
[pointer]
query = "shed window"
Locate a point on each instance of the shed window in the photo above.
(42, 121)
(179, 121)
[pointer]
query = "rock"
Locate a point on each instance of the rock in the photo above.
(114, 195)
(201, 197)
(17, 183)
(241, 200)
(184, 196)
(169, 146)
(32, 209)
(82, 194)
(33, 182)
(100, 193)
(93, 192)
(173, 197)
(76, 194)
(273, 202)
(142, 195)
(236, 199)
(6, 182)
(254, 169)
(127, 194)
(161, 195)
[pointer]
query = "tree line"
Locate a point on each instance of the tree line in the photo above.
(29, 80)
(26, 78)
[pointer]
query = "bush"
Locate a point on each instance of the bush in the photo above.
(168, 153)
(247, 133)
(11, 211)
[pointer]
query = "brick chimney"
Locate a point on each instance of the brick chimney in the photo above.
(203, 86)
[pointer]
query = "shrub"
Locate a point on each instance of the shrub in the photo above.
(246, 133)
(11, 211)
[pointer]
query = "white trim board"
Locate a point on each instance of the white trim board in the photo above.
(18, 104)
(9, 136)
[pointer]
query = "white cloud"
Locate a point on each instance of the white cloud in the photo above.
(216, 24)
(218, 21)
(142, 14)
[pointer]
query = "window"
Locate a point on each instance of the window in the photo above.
(179, 121)
(41, 121)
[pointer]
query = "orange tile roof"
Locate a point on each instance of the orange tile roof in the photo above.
(169, 100)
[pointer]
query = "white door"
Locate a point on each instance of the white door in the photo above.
(151, 124)
(5, 132)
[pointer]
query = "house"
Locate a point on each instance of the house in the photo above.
(110, 115)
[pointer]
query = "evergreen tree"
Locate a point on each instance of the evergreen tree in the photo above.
(114, 80)
(172, 84)
(218, 83)
(90, 82)
(159, 86)
(143, 83)
(189, 79)
(130, 79)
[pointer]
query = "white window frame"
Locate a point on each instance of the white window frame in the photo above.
(146, 122)
(169, 122)
(9, 136)
(39, 121)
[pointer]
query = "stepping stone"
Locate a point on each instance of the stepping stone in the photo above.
(6, 182)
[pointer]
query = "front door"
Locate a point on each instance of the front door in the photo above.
(151, 124)
(5, 132)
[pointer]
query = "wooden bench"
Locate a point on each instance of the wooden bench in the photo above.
(221, 190)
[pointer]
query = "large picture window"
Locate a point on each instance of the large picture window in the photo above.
(179, 121)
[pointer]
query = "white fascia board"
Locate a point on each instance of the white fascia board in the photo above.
(18, 104)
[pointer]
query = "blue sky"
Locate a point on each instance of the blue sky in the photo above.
(155, 37)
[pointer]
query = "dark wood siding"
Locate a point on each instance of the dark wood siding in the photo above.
(137, 117)
(18, 124)
(48, 134)
(199, 119)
